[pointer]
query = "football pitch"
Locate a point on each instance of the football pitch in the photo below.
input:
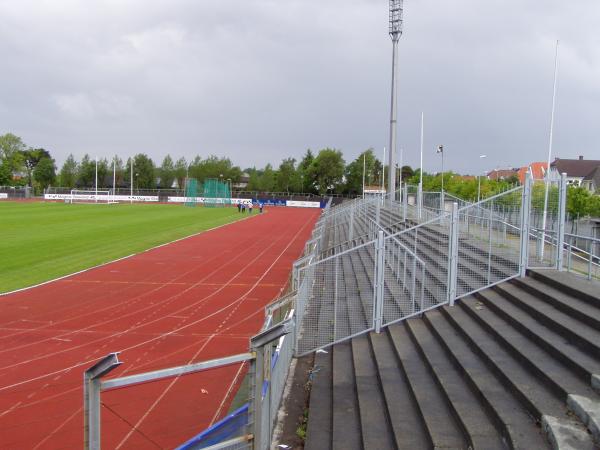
(42, 241)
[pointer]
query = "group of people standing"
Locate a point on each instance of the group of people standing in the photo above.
(243, 206)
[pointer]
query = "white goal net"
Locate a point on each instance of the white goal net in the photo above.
(90, 196)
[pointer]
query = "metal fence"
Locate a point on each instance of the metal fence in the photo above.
(375, 261)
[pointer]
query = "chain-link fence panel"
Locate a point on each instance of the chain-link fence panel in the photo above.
(335, 298)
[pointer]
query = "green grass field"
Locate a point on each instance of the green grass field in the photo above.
(42, 241)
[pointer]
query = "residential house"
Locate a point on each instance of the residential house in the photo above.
(591, 181)
(536, 169)
(576, 169)
(502, 174)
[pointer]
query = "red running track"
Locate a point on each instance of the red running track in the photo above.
(192, 300)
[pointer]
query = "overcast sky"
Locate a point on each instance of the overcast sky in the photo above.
(260, 80)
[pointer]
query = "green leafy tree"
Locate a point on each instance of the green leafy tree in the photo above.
(68, 172)
(44, 172)
(86, 172)
(354, 171)
(166, 172)
(327, 170)
(287, 178)
(180, 171)
(5, 174)
(267, 179)
(579, 201)
(11, 152)
(30, 158)
(214, 167)
(303, 171)
(143, 172)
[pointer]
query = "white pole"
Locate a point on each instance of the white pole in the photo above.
(420, 188)
(549, 152)
(114, 177)
(131, 187)
(364, 171)
(96, 183)
(401, 163)
(383, 173)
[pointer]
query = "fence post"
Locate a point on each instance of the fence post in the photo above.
(378, 213)
(453, 255)
(525, 217)
(562, 204)
(91, 399)
(379, 282)
(255, 413)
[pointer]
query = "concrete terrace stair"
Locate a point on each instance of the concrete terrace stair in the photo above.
(513, 366)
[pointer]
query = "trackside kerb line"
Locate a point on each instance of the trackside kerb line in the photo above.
(4, 294)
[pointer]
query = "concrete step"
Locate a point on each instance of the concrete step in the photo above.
(345, 402)
(557, 376)
(375, 425)
(571, 284)
(577, 332)
(582, 310)
(518, 428)
(537, 398)
(319, 428)
(466, 407)
(442, 427)
(407, 426)
(582, 363)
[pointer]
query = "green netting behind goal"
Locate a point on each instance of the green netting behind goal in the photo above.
(216, 193)
(191, 192)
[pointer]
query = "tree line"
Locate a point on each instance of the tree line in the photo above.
(323, 172)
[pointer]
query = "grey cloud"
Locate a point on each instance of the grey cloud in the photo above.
(260, 80)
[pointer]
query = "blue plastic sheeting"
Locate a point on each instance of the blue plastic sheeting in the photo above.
(232, 426)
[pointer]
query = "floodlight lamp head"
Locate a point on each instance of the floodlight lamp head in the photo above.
(395, 27)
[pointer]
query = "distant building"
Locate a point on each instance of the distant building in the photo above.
(502, 174)
(536, 169)
(576, 169)
(242, 184)
(591, 181)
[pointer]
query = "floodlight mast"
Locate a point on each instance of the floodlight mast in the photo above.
(395, 30)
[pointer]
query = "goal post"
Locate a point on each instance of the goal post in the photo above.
(91, 196)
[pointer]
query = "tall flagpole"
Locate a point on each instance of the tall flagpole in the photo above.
(383, 173)
(131, 186)
(96, 182)
(420, 189)
(114, 177)
(549, 152)
(364, 171)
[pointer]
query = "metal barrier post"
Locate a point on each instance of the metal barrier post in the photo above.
(91, 399)
(562, 204)
(378, 213)
(525, 216)
(379, 280)
(453, 256)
